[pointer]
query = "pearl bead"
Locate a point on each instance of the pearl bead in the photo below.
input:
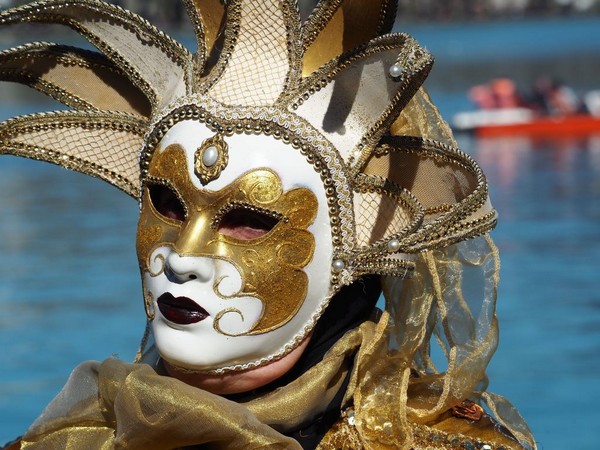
(351, 419)
(486, 447)
(393, 246)
(395, 70)
(210, 156)
(338, 265)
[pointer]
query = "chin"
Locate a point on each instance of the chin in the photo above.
(236, 382)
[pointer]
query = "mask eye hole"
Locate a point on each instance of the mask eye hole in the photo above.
(166, 202)
(246, 224)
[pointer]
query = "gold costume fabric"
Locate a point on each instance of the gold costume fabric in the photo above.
(116, 405)
(397, 397)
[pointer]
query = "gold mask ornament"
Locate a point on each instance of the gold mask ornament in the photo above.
(210, 159)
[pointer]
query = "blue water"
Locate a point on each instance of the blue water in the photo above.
(517, 40)
(68, 282)
(548, 198)
(69, 285)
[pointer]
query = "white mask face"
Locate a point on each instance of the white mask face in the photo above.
(235, 248)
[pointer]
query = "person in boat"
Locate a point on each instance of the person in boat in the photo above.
(499, 93)
(554, 98)
(287, 173)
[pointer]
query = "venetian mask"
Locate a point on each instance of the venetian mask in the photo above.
(226, 241)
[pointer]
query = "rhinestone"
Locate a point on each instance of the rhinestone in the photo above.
(486, 447)
(388, 428)
(338, 265)
(395, 70)
(393, 246)
(210, 156)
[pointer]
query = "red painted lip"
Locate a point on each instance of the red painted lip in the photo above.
(180, 310)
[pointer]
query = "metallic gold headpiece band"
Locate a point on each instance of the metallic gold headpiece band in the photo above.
(337, 87)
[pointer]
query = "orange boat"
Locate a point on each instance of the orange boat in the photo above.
(521, 121)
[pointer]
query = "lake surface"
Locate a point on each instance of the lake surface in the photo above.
(69, 288)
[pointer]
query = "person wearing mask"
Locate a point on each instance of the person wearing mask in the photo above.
(287, 174)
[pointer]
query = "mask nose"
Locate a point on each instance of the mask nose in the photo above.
(189, 268)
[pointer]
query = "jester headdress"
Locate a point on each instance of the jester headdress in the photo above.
(320, 131)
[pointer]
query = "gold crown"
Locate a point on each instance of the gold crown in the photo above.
(337, 87)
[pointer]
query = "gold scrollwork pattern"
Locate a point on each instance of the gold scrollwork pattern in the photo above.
(149, 305)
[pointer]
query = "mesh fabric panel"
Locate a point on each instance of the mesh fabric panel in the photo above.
(378, 216)
(251, 80)
(95, 145)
